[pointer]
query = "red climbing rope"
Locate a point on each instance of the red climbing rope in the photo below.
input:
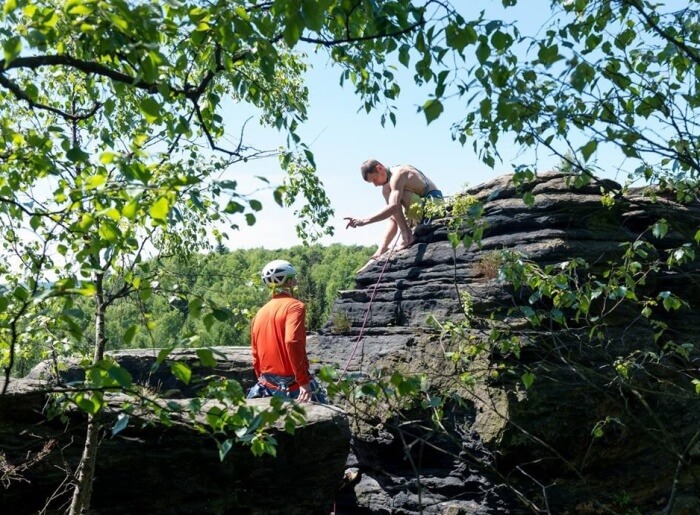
(369, 307)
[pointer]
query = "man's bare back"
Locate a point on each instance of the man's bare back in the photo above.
(401, 186)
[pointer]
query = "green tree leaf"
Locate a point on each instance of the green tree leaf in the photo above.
(150, 108)
(433, 108)
(12, 47)
(181, 371)
(159, 209)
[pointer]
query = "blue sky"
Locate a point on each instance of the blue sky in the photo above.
(342, 138)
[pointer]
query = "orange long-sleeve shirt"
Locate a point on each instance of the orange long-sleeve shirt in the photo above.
(278, 339)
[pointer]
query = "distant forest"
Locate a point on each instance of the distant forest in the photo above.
(209, 300)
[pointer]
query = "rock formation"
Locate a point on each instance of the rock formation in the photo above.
(595, 415)
(168, 470)
(580, 438)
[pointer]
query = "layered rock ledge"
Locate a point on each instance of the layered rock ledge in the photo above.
(168, 470)
(543, 441)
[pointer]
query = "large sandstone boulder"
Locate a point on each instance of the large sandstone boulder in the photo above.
(580, 439)
(156, 469)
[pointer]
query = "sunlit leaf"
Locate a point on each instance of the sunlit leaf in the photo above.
(12, 47)
(433, 108)
(181, 371)
(206, 357)
(109, 231)
(159, 209)
(86, 288)
(121, 376)
(108, 157)
(660, 229)
(10, 5)
(130, 210)
(150, 109)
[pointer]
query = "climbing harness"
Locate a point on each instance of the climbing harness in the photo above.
(282, 384)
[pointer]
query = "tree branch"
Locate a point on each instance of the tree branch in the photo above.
(22, 95)
(192, 93)
(349, 39)
(690, 52)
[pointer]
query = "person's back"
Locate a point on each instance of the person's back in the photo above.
(279, 337)
(278, 340)
(416, 181)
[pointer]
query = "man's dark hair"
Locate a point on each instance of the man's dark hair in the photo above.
(368, 167)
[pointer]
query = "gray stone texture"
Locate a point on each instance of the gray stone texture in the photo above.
(537, 441)
(506, 449)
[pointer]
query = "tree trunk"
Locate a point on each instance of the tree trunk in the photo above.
(85, 473)
(86, 470)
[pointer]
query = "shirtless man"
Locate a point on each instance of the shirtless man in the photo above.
(402, 186)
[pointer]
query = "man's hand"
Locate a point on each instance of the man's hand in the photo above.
(305, 392)
(355, 222)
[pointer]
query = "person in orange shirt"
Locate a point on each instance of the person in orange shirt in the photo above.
(278, 340)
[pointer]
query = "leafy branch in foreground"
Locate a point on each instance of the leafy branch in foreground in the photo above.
(116, 151)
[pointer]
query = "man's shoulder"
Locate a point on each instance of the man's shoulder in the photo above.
(297, 302)
(399, 176)
(292, 301)
(402, 172)
(295, 306)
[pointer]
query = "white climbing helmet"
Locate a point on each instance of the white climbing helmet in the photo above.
(277, 272)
